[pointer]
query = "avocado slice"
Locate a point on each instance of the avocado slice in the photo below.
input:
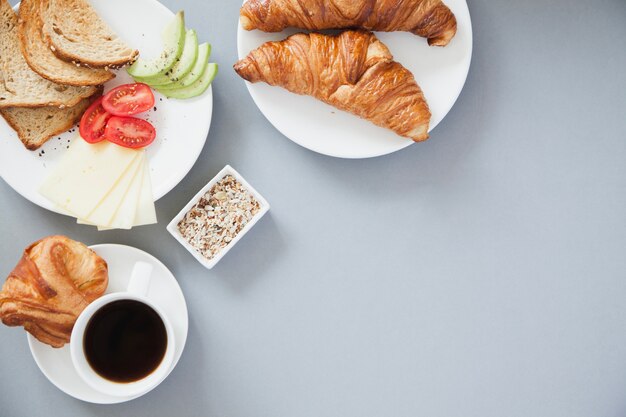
(195, 89)
(202, 60)
(174, 40)
(182, 67)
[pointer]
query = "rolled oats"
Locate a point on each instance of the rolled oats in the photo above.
(215, 220)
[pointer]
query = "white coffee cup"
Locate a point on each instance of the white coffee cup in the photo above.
(137, 290)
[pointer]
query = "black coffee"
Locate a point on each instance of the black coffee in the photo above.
(125, 341)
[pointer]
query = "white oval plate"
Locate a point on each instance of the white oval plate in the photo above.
(440, 72)
(182, 125)
(56, 364)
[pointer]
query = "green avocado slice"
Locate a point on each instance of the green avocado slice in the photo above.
(204, 52)
(182, 67)
(195, 89)
(174, 40)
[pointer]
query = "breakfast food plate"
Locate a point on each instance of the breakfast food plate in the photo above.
(56, 364)
(182, 125)
(440, 72)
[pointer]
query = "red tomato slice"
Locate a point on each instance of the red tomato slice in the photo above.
(93, 122)
(128, 99)
(129, 132)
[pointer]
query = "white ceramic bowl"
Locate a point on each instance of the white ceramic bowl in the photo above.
(172, 227)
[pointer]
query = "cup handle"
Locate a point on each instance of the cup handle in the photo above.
(140, 279)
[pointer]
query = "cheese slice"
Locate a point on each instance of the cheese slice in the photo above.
(117, 197)
(146, 213)
(86, 174)
(124, 217)
(103, 214)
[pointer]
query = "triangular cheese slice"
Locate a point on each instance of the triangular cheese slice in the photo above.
(124, 217)
(146, 213)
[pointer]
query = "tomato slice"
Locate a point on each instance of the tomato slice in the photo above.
(93, 122)
(129, 132)
(128, 99)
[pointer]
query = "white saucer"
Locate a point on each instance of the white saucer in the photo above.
(56, 364)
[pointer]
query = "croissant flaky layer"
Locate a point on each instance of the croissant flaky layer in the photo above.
(352, 71)
(53, 282)
(430, 19)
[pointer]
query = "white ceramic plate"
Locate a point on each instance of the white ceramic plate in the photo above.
(56, 364)
(182, 125)
(440, 72)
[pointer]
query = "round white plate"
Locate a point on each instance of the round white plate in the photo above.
(182, 125)
(440, 72)
(56, 364)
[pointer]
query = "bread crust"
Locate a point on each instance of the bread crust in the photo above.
(77, 59)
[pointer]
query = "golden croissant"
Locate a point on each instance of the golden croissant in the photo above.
(430, 19)
(51, 285)
(352, 71)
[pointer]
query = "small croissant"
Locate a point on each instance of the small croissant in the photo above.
(430, 19)
(352, 71)
(53, 282)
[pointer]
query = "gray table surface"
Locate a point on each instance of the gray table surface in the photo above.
(482, 273)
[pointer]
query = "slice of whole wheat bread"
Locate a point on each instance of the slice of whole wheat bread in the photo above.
(19, 85)
(43, 61)
(34, 126)
(76, 33)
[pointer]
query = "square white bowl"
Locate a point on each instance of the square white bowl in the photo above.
(172, 227)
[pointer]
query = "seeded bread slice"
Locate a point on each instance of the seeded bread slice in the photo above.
(43, 61)
(19, 85)
(35, 126)
(76, 33)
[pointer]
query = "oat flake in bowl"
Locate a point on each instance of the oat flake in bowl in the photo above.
(215, 220)
(220, 214)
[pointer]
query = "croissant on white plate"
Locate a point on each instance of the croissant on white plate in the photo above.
(352, 71)
(430, 19)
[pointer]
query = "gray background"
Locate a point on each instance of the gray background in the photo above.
(481, 273)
